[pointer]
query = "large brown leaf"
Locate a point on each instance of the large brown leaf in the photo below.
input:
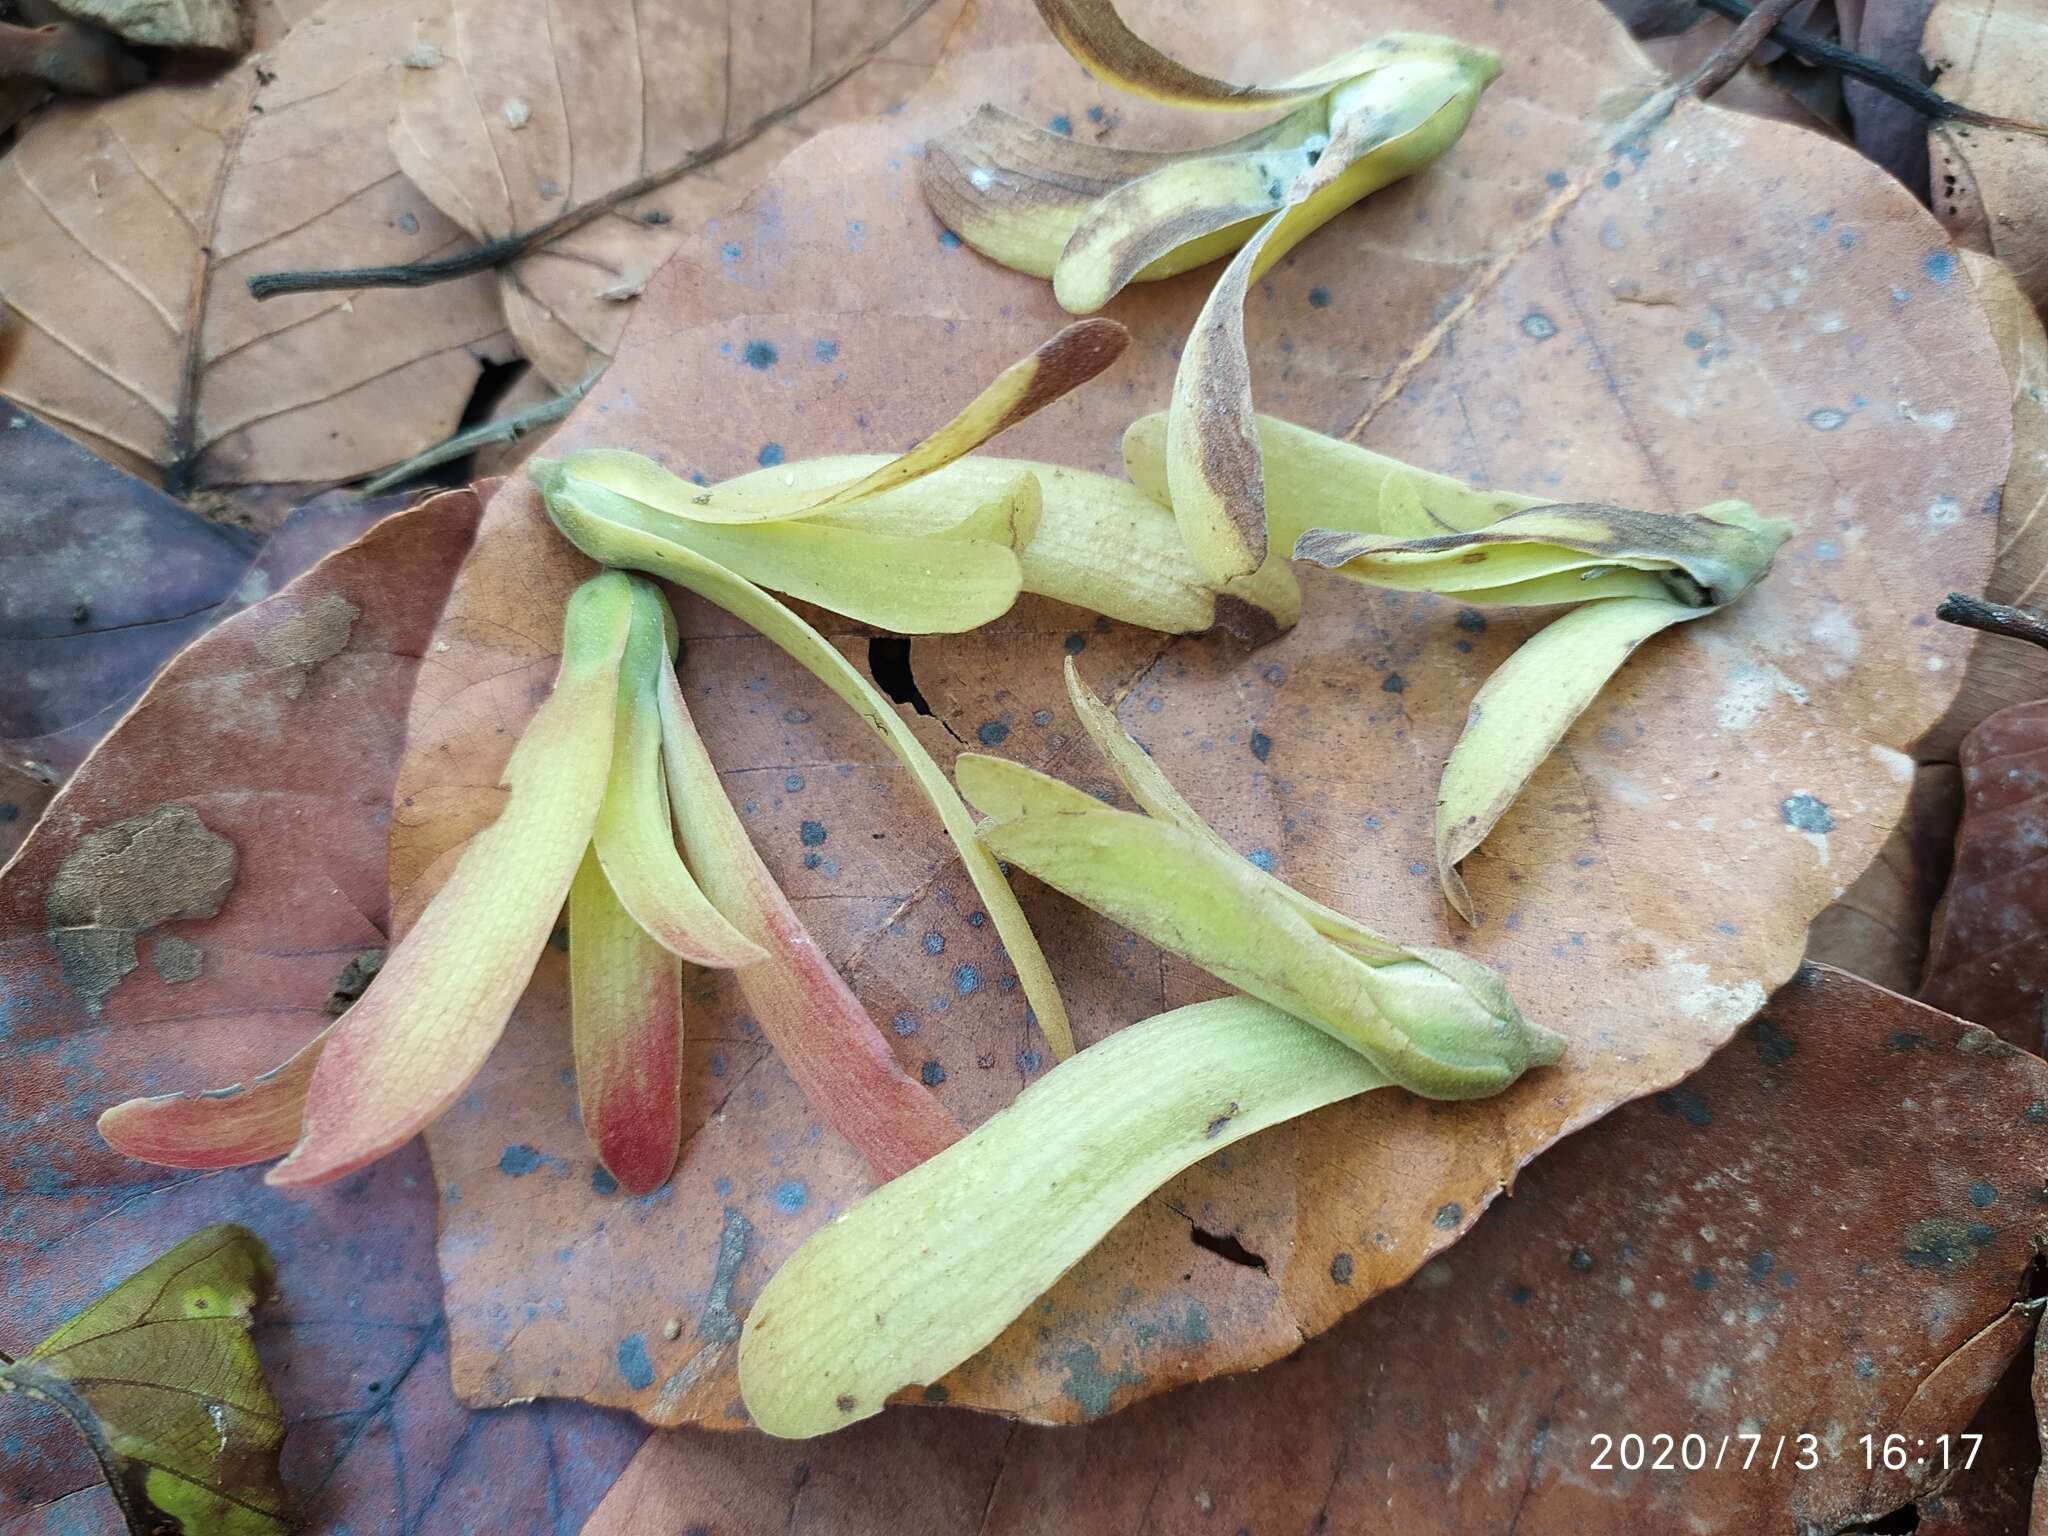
(210, 873)
(1722, 306)
(663, 115)
(1702, 1263)
(1988, 959)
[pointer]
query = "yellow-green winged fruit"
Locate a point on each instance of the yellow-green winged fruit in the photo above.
(928, 1269)
(1633, 574)
(1421, 1022)
(1384, 125)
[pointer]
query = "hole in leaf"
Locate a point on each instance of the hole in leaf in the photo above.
(1225, 1246)
(889, 665)
(1904, 1519)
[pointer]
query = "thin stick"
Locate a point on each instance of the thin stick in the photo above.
(493, 254)
(1924, 99)
(1994, 618)
(1719, 67)
(476, 437)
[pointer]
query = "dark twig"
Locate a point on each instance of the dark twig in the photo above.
(493, 254)
(1818, 51)
(1719, 67)
(1994, 618)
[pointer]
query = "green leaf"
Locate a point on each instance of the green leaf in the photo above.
(161, 1377)
(933, 1265)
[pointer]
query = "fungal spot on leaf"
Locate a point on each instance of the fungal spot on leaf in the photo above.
(1807, 813)
(1319, 298)
(1827, 419)
(845, 1403)
(993, 733)
(1472, 621)
(634, 1362)
(316, 633)
(519, 1160)
(1939, 1243)
(967, 981)
(1090, 1387)
(934, 943)
(812, 833)
(1394, 683)
(602, 1182)
(931, 1074)
(1215, 1127)
(1685, 1104)
(177, 959)
(1772, 1043)
(1341, 1269)
(126, 879)
(1261, 745)
(1581, 1260)
(1538, 326)
(1447, 1217)
(1074, 645)
(769, 456)
(1940, 265)
(720, 1324)
(791, 1196)
(760, 355)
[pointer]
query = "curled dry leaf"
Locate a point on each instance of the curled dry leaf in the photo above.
(160, 1377)
(1667, 1258)
(1879, 929)
(2000, 673)
(267, 748)
(1988, 957)
(1541, 312)
(1986, 184)
(659, 117)
(127, 228)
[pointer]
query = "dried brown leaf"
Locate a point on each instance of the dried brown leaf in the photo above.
(2000, 673)
(127, 228)
(1987, 185)
(1879, 929)
(665, 114)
